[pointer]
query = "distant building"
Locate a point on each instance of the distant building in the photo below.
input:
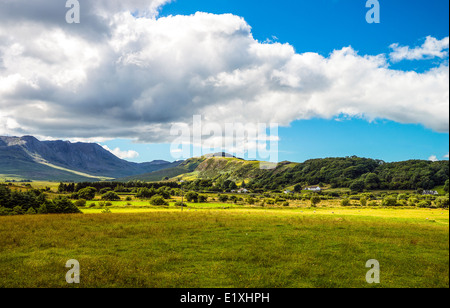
(314, 188)
(242, 191)
(430, 192)
(287, 191)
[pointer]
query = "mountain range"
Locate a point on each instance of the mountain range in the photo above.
(28, 158)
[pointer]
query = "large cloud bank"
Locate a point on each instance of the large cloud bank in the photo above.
(119, 74)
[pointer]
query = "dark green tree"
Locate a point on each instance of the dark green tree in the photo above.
(111, 196)
(223, 198)
(87, 193)
(357, 185)
(315, 200)
(298, 188)
(158, 200)
(192, 197)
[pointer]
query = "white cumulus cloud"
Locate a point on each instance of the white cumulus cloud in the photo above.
(431, 48)
(130, 154)
(433, 158)
(119, 76)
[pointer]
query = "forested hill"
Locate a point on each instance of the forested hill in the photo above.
(358, 173)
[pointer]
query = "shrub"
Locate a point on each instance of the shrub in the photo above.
(65, 206)
(145, 193)
(202, 198)
(179, 203)
(402, 203)
(402, 197)
(223, 198)
(346, 202)
(315, 200)
(424, 204)
(80, 203)
(105, 190)
(286, 204)
(31, 211)
(250, 200)
(74, 196)
(111, 196)
(128, 198)
(87, 193)
(442, 202)
(270, 201)
(162, 191)
(5, 211)
(373, 203)
(42, 209)
(363, 201)
(158, 200)
(120, 188)
(390, 201)
(412, 201)
(17, 210)
(192, 197)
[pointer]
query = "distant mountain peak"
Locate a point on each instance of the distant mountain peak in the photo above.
(87, 158)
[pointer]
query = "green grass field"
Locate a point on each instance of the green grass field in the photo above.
(233, 247)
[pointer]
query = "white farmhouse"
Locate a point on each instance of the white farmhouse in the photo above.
(430, 192)
(314, 188)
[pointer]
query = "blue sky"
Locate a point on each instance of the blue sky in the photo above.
(322, 26)
(337, 85)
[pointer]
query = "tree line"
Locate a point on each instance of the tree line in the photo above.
(116, 186)
(13, 202)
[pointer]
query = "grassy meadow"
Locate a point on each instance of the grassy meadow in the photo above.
(220, 245)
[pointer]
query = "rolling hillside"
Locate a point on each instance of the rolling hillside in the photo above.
(216, 166)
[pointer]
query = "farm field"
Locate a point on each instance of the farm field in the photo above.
(216, 245)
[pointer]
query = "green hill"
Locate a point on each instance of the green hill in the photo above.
(210, 167)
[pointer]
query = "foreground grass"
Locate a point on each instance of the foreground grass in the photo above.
(227, 248)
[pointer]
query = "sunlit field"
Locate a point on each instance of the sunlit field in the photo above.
(219, 245)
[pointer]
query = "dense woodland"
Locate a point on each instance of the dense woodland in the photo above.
(359, 174)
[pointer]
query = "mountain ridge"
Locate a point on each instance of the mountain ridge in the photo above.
(85, 160)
